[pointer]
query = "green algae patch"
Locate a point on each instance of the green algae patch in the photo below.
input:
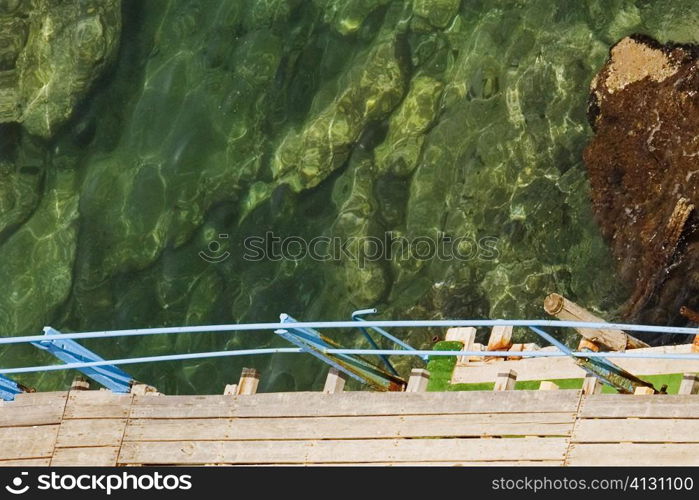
(442, 367)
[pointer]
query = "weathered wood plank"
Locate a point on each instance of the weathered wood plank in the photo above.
(637, 454)
(311, 404)
(33, 411)
(345, 451)
(32, 398)
(98, 404)
(26, 462)
(85, 457)
(91, 432)
(646, 430)
(27, 442)
(565, 367)
(474, 425)
(618, 406)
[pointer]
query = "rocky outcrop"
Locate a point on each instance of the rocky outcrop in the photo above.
(643, 164)
(51, 52)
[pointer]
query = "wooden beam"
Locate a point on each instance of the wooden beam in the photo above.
(564, 309)
(500, 338)
(335, 381)
(505, 381)
(418, 380)
(249, 380)
(591, 385)
(465, 335)
(80, 384)
(690, 384)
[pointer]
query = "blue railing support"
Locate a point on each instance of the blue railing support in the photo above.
(9, 389)
(70, 351)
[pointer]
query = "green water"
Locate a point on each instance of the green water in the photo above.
(336, 118)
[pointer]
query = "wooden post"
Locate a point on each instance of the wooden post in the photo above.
(465, 335)
(515, 348)
(640, 391)
(80, 384)
(230, 390)
(505, 381)
(616, 340)
(335, 381)
(547, 385)
(476, 347)
(591, 385)
(500, 338)
(144, 390)
(689, 384)
(418, 380)
(249, 380)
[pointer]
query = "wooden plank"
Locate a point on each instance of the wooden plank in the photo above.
(85, 457)
(312, 404)
(565, 367)
(184, 406)
(26, 462)
(564, 309)
(413, 426)
(636, 454)
(351, 451)
(33, 398)
(622, 406)
(520, 463)
(500, 338)
(98, 404)
(27, 442)
(91, 432)
(425, 403)
(33, 411)
(646, 430)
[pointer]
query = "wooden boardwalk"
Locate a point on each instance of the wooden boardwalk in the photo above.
(359, 428)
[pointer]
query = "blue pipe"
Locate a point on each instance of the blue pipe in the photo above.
(353, 324)
(389, 352)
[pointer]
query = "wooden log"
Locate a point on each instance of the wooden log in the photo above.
(547, 385)
(249, 380)
(564, 309)
(689, 384)
(335, 381)
(591, 385)
(505, 381)
(643, 391)
(500, 338)
(465, 335)
(418, 380)
(80, 384)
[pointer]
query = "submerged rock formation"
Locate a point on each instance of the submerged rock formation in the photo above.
(51, 52)
(643, 164)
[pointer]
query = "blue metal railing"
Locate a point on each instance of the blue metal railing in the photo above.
(88, 362)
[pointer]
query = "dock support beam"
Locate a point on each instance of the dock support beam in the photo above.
(418, 380)
(591, 385)
(249, 380)
(506, 381)
(335, 381)
(689, 384)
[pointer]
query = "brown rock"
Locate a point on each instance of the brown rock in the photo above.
(643, 164)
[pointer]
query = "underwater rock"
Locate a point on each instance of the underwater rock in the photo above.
(642, 164)
(51, 52)
(374, 86)
(347, 16)
(401, 150)
(437, 12)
